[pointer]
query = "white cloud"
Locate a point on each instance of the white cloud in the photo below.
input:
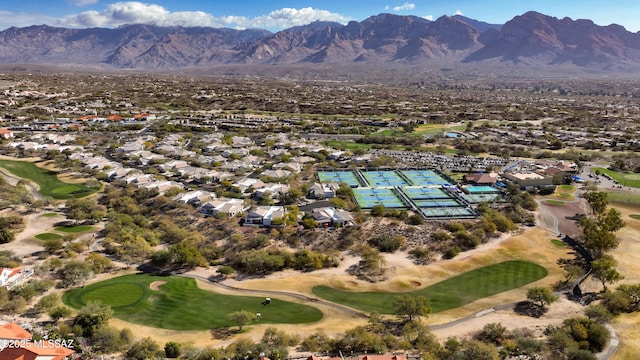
(9, 19)
(140, 13)
(428, 17)
(387, 7)
(458, 12)
(82, 2)
(405, 6)
(288, 17)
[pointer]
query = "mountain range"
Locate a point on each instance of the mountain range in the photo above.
(528, 39)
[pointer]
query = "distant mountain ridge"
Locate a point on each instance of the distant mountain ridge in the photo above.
(528, 39)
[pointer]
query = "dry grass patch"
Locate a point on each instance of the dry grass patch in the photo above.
(627, 327)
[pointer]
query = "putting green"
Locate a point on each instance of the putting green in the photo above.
(180, 305)
(48, 236)
(448, 294)
(73, 229)
(115, 295)
(66, 190)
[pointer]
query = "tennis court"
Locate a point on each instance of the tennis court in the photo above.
(383, 178)
(457, 212)
(482, 198)
(369, 197)
(437, 203)
(481, 190)
(425, 193)
(424, 178)
(424, 190)
(348, 177)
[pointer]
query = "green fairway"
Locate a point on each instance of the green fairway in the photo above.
(181, 305)
(635, 216)
(74, 229)
(554, 202)
(48, 236)
(448, 294)
(626, 179)
(47, 180)
(558, 243)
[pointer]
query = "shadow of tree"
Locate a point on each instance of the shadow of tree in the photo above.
(223, 333)
(530, 309)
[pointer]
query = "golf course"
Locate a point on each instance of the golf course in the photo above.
(448, 294)
(47, 180)
(178, 304)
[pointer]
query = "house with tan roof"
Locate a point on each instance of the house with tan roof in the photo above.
(330, 216)
(264, 215)
(230, 207)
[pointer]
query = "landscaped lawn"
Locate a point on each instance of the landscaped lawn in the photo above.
(48, 236)
(448, 294)
(181, 305)
(554, 202)
(47, 180)
(73, 229)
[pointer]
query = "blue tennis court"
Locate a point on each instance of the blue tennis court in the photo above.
(348, 177)
(482, 190)
(369, 197)
(425, 193)
(483, 198)
(459, 212)
(424, 178)
(383, 178)
(437, 203)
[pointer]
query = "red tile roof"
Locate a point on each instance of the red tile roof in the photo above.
(32, 352)
(13, 331)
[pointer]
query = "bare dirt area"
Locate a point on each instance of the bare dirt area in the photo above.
(556, 313)
(566, 219)
(25, 244)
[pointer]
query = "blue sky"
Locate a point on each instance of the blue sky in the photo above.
(275, 15)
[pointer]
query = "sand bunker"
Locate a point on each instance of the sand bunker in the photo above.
(156, 285)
